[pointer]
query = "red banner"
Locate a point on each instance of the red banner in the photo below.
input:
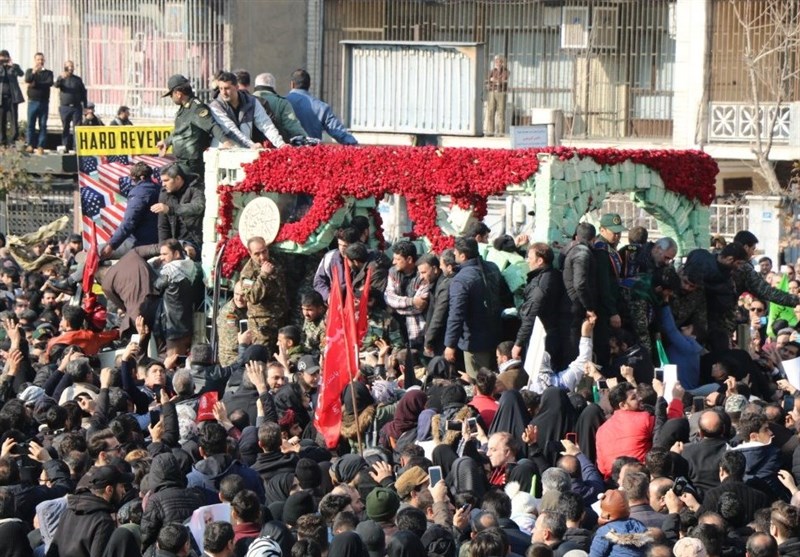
(335, 367)
(92, 260)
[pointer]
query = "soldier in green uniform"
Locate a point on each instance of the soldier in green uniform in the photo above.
(313, 309)
(380, 325)
(290, 346)
(229, 328)
(265, 291)
(194, 128)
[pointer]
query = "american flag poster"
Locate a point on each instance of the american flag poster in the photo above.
(104, 179)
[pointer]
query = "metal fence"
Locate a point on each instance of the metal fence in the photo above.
(21, 213)
(125, 50)
(608, 65)
(728, 216)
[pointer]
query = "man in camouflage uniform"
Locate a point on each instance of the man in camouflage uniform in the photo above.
(194, 128)
(313, 309)
(265, 291)
(747, 279)
(228, 326)
(381, 325)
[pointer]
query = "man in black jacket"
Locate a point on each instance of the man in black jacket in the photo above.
(704, 455)
(86, 527)
(272, 459)
(543, 295)
(71, 101)
(180, 206)
(10, 97)
(436, 317)
(169, 499)
(579, 283)
(28, 495)
(39, 81)
(731, 472)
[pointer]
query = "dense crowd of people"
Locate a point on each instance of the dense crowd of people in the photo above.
(509, 401)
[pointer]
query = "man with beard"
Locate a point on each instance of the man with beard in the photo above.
(307, 376)
(194, 128)
(241, 116)
(87, 525)
(229, 323)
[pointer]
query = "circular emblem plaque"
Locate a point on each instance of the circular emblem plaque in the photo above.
(260, 217)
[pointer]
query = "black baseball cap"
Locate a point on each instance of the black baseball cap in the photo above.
(175, 81)
(104, 476)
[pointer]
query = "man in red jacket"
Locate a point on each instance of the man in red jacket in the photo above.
(628, 432)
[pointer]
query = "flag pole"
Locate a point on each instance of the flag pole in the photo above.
(354, 347)
(355, 414)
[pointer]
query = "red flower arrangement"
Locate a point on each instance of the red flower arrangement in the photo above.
(421, 174)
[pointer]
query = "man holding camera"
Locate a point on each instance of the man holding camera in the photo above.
(10, 98)
(71, 101)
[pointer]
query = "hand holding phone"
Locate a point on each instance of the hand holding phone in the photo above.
(602, 385)
(136, 338)
(435, 474)
(572, 438)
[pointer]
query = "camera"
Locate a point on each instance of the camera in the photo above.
(682, 486)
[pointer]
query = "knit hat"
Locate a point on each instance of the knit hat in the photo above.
(689, 547)
(613, 506)
(347, 467)
(453, 394)
(382, 504)
(297, 505)
(308, 473)
(256, 353)
(373, 537)
(412, 478)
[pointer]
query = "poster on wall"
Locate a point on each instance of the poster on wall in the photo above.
(105, 155)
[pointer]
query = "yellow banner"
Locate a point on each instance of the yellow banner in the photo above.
(119, 140)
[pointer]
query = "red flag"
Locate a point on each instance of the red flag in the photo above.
(363, 309)
(335, 370)
(350, 328)
(92, 260)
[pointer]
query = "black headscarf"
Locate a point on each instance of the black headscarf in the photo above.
(347, 467)
(363, 397)
(672, 431)
(291, 397)
(348, 544)
(403, 544)
(588, 423)
(512, 415)
(444, 456)
(556, 418)
(439, 542)
(278, 531)
(467, 476)
(525, 473)
(278, 487)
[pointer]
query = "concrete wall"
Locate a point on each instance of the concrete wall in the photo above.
(269, 36)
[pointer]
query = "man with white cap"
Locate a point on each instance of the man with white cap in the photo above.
(280, 110)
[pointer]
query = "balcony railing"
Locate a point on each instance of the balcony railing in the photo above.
(742, 122)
